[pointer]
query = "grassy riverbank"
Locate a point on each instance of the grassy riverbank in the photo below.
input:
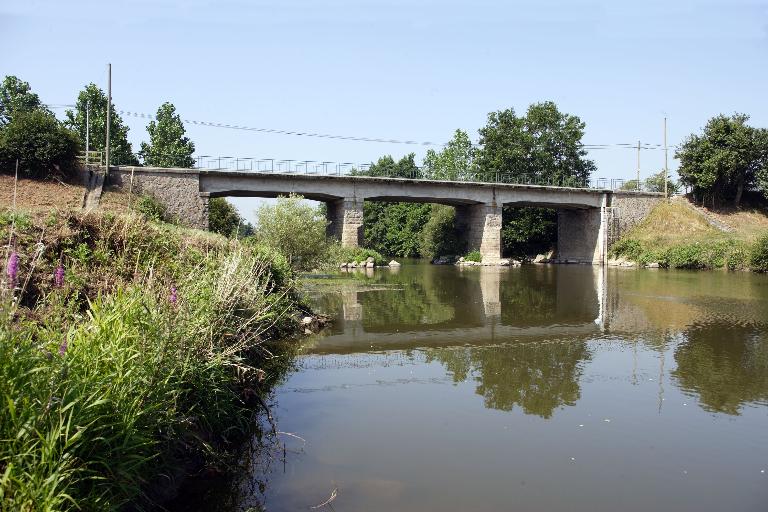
(128, 350)
(675, 235)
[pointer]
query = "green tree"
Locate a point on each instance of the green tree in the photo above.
(386, 166)
(223, 218)
(121, 152)
(40, 142)
(655, 183)
(528, 231)
(630, 185)
(294, 229)
(440, 237)
(455, 162)
(168, 147)
(728, 158)
(393, 229)
(542, 147)
(16, 96)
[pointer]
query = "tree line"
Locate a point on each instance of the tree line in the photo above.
(43, 145)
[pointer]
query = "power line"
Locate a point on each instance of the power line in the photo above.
(353, 138)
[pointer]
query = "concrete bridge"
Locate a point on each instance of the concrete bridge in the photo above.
(588, 219)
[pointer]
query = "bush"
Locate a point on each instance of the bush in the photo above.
(758, 255)
(224, 219)
(738, 259)
(294, 229)
(439, 237)
(98, 407)
(628, 248)
(474, 256)
(339, 254)
(150, 208)
(42, 145)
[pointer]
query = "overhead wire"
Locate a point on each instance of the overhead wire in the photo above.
(353, 138)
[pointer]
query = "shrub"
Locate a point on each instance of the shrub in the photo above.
(628, 248)
(98, 407)
(758, 255)
(339, 254)
(295, 229)
(42, 145)
(150, 208)
(223, 218)
(439, 237)
(473, 256)
(738, 259)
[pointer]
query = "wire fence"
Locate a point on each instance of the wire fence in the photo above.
(328, 168)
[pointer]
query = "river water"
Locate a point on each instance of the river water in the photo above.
(540, 388)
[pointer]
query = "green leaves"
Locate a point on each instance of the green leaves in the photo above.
(40, 143)
(16, 98)
(92, 98)
(727, 159)
(167, 147)
(455, 162)
(295, 229)
(543, 146)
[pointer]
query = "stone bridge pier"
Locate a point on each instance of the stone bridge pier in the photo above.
(345, 221)
(481, 226)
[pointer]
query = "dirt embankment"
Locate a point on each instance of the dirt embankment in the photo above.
(36, 194)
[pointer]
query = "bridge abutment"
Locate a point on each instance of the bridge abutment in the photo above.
(481, 226)
(345, 218)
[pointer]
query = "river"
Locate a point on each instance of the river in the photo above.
(523, 389)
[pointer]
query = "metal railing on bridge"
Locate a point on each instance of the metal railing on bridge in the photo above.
(328, 168)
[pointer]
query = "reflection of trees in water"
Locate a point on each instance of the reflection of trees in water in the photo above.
(538, 377)
(527, 303)
(413, 300)
(725, 364)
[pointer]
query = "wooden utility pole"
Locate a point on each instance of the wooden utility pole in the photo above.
(666, 169)
(638, 166)
(109, 112)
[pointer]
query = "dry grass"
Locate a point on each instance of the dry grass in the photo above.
(747, 224)
(40, 194)
(115, 200)
(672, 223)
(675, 222)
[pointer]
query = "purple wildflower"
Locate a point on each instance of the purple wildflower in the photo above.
(63, 348)
(58, 277)
(13, 269)
(173, 297)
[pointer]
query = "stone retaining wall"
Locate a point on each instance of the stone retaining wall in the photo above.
(177, 189)
(627, 209)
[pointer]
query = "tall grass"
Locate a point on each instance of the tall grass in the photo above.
(148, 357)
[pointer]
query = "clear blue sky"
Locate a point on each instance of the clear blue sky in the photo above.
(399, 69)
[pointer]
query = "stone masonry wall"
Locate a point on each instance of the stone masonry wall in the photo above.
(177, 189)
(346, 221)
(481, 225)
(628, 209)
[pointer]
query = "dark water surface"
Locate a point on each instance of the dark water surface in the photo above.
(541, 388)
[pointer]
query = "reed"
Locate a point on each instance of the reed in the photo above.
(133, 349)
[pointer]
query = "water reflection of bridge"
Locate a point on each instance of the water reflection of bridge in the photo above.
(484, 305)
